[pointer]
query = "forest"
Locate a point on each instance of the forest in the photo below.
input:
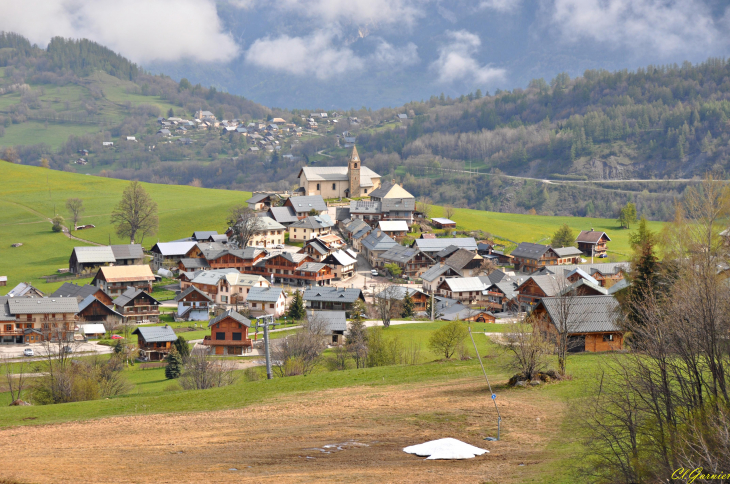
(549, 148)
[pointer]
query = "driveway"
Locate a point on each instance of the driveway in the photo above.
(16, 351)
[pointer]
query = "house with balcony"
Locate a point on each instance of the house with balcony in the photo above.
(592, 243)
(193, 305)
(267, 301)
(92, 310)
(114, 280)
(168, 254)
(154, 342)
(411, 261)
(332, 298)
(136, 306)
(466, 289)
(308, 228)
(37, 319)
(343, 264)
(229, 334)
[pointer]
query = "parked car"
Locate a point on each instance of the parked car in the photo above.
(602, 256)
(374, 273)
(279, 246)
(28, 352)
(68, 349)
(116, 336)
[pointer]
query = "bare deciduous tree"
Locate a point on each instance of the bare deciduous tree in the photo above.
(75, 207)
(388, 302)
(15, 377)
(528, 348)
(486, 267)
(135, 214)
(423, 205)
(244, 224)
(201, 371)
(300, 353)
(448, 211)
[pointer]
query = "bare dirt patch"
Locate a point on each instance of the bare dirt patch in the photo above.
(346, 435)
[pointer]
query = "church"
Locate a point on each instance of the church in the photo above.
(351, 181)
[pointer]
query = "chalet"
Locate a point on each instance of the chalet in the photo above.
(502, 296)
(583, 287)
(375, 244)
(284, 215)
(316, 249)
(92, 309)
(465, 262)
(332, 298)
(193, 264)
(342, 264)
(240, 259)
(537, 287)
(592, 323)
(205, 115)
(484, 248)
(433, 246)
(592, 243)
(268, 234)
(306, 205)
(298, 269)
(203, 235)
(135, 305)
(3, 280)
(308, 228)
(568, 255)
(396, 229)
(267, 300)
(443, 223)
(227, 286)
(154, 342)
(169, 254)
(69, 289)
(435, 275)
(260, 201)
(462, 288)
(24, 289)
(390, 202)
(229, 334)
(530, 257)
(353, 180)
(411, 261)
(419, 298)
(89, 258)
(193, 305)
(36, 319)
(115, 280)
(128, 254)
(459, 312)
(334, 325)
(606, 274)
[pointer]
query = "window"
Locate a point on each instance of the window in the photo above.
(220, 336)
(236, 336)
(366, 190)
(253, 305)
(271, 306)
(317, 186)
(355, 165)
(607, 337)
(224, 299)
(8, 327)
(334, 186)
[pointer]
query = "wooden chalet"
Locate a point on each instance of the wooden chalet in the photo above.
(530, 258)
(419, 298)
(229, 334)
(37, 319)
(468, 289)
(332, 298)
(193, 305)
(410, 260)
(116, 279)
(443, 223)
(93, 310)
(592, 322)
(69, 289)
(135, 305)
(154, 342)
(592, 242)
(298, 269)
(534, 288)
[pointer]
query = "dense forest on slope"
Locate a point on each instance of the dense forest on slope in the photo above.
(600, 140)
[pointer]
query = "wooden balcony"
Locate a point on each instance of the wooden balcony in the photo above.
(227, 342)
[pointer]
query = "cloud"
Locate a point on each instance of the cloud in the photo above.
(504, 6)
(318, 55)
(142, 30)
(359, 12)
(456, 61)
(662, 26)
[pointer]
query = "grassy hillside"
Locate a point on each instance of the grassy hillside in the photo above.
(29, 196)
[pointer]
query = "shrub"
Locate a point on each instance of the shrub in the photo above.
(447, 339)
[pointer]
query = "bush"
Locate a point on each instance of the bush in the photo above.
(448, 338)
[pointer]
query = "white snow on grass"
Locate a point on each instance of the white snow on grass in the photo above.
(447, 448)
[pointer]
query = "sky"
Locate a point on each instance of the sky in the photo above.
(379, 52)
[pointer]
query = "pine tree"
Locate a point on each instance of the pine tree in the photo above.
(407, 307)
(182, 347)
(296, 309)
(174, 364)
(563, 237)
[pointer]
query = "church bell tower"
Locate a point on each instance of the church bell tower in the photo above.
(353, 173)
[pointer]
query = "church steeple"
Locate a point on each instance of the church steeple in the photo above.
(353, 173)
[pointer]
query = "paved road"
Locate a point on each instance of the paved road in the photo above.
(16, 351)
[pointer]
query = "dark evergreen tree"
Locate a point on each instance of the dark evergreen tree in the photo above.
(563, 237)
(296, 308)
(407, 307)
(182, 347)
(174, 364)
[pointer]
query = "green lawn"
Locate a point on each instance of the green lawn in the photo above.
(52, 134)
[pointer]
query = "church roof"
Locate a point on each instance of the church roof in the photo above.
(337, 173)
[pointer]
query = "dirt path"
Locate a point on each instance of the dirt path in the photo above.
(347, 435)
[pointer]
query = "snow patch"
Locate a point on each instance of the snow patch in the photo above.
(447, 448)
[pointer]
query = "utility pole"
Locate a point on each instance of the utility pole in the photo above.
(432, 303)
(267, 319)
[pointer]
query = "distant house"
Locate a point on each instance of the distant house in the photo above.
(419, 298)
(284, 215)
(193, 305)
(402, 117)
(229, 334)
(302, 206)
(128, 254)
(203, 235)
(131, 138)
(467, 289)
(592, 322)
(136, 306)
(115, 280)
(164, 132)
(266, 300)
(396, 229)
(107, 143)
(259, 201)
(269, 233)
(376, 243)
(93, 310)
(154, 342)
(83, 258)
(332, 298)
(3, 280)
(168, 254)
(342, 264)
(433, 246)
(592, 242)
(411, 261)
(69, 289)
(308, 228)
(24, 289)
(334, 324)
(92, 330)
(444, 223)
(205, 115)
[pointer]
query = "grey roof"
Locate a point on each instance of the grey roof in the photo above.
(582, 282)
(335, 320)
(592, 236)
(398, 205)
(342, 258)
(332, 294)
(446, 251)
(307, 203)
(268, 223)
(233, 315)
(5, 314)
(588, 314)
(338, 173)
(257, 197)
(399, 292)
(364, 207)
(457, 312)
(582, 274)
(434, 272)
(204, 234)
(567, 251)
(459, 259)
(265, 294)
(621, 284)
(173, 248)
(69, 289)
(356, 225)
(190, 290)
(311, 267)
(23, 289)
(399, 254)
(374, 243)
(310, 223)
(42, 305)
(435, 245)
(495, 276)
(507, 288)
(318, 246)
(602, 268)
(220, 238)
(283, 215)
(195, 263)
(212, 276)
(464, 284)
(549, 283)
(342, 213)
(131, 294)
(156, 334)
(528, 250)
(443, 221)
(90, 299)
(95, 255)
(127, 251)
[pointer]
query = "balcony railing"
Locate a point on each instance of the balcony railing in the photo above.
(227, 342)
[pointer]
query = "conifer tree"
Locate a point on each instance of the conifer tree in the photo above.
(182, 347)
(174, 364)
(407, 307)
(296, 309)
